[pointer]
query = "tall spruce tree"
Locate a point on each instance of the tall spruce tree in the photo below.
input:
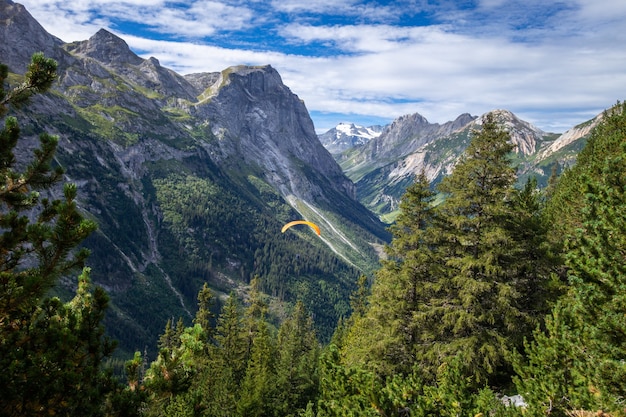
(485, 292)
(204, 316)
(256, 397)
(384, 337)
(231, 341)
(50, 352)
(296, 366)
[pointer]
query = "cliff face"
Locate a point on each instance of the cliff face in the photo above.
(399, 139)
(258, 120)
(21, 36)
(190, 179)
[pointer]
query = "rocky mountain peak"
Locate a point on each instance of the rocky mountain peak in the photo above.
(106, 48)
(524, 135)
(461, 121)
(112, 54)
(258, 118)
(568, 137)
(22, 36)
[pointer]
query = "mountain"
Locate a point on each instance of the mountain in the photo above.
(348, 135)
(190, 179)
(384, 167)
(399, 139)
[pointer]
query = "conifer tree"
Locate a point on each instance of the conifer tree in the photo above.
(204, 316)
(296, 367)
(170, 379)
(166, 340)
(254, 314)
(345, 390)
(483, 301)
(384, 337)
(231, 341)
(578, 362)
(256, 396)
(564, 209)
(50, 352)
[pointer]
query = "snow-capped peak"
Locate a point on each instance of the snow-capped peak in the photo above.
(347, 135)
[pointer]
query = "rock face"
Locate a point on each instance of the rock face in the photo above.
(266, 124)
(22, 35)
(399, 139)
(190, 179)
(569, 138)
(524, 135)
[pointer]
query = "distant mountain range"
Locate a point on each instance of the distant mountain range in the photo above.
(382, 166)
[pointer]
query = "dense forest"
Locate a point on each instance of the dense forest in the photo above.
(495, 290)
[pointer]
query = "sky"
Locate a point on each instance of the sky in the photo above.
(554, 64)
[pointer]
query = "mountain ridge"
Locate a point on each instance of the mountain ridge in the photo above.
(383, 167)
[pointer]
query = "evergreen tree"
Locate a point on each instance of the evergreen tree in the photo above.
(204, 316)
(50, 352)
(166, 340)
(534, 262)
(578, 362)
(254, 315)
(256, 397)
(345, 390)
(231, 341)
(170, 379)
(564, 209)
(483, 301)
(384, 337)
(129, 401)
(296, 367)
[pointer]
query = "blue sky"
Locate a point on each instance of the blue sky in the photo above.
(553, 63)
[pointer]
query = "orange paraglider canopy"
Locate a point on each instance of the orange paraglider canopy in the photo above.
(313, 226)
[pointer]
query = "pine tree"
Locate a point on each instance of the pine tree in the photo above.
(171, 377)
(254, 315)
(345, 390)
(50, 352)
(231, 342)
(58, 229)
(256, 397)
(166, 340)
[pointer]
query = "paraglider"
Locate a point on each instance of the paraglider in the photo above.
(313, 226)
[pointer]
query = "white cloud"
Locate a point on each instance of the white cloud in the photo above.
(312, 6)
